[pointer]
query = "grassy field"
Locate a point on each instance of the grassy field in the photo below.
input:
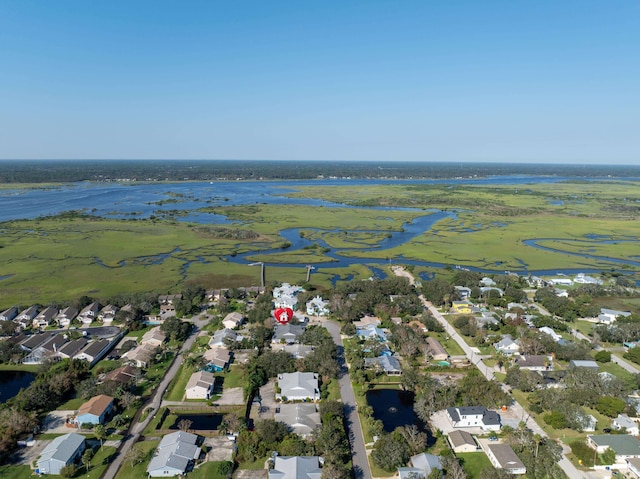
(473, 463)
(139, 470)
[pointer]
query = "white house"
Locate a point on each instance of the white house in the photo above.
(175, 455)
(298, 386)
(507, 346)
(420, 466)
(60, 452)
(473, 416)
(317, 307)
(200, 385)
(45, 317)
(608, 316)
(108, 314)
(65, 316)
(232, 320)
(89, 313)
(547, 330)
(302, 418)
(625, 422)
(624, 445)
(502, 456)
(295, 467)
(9, 314)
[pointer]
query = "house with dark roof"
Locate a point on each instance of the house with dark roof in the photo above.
(296, 467)
(436, 350)
(9, 314)
(95, 410)
(124, 375)
(70, 349)
(175, 455)
(89, 313)
(60, 452)
(26, 316)
(218, 359)
(47, 350)
(502, 456)
(95, 351)
(32, 341)
(287, 333)
(474, 416)
(44, 318)
(65, 316)
(534, 362)
(302, 418)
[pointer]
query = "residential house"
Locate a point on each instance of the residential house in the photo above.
(140, 356)
(200, 385)
(94, 351)
(233, 320)
(547, 330)
(463, 292)
(107, 314)
(46, 350)
(317, 307)
(287, 333)
(302, 418)
(44, 318)
(487, 282)
(591, 424)
(535, 362)
(65, 316)
(26, 317)
(474, 416)
(223, 337)
(169, 298)
(484, 319)
(70, 349)
(487, 289)
(516, 306)
(634, 467)
(507, 346)
(175, 455)
(462, 441)
(298, 387)
(367, 321)
(89, 313)
(624, 445)
(608, 316)
(390, 365)
(582, 278)
(420, 466)
(583, 363)
(502, 456)
(285, 296)
(154, 337)
(124, 375)
(298, 351)
(95, 411)
(436, 350)
(461, 307)
(9, 314)
(218, 359)
(371, 331)
(60, 452)
(625, 422)
(296, 467)
(32, 341)
(561, 282)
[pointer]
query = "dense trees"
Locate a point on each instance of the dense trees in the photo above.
(176, 329)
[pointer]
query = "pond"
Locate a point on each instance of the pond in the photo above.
(12, 381)
(199, 422)
(393, 407)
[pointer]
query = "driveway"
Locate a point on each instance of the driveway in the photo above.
(220, 448)
(54, 422)
(27, 456)
(231, 397)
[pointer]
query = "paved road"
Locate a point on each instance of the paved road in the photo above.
(615, 359)
(569, 469)
(361, 467)
(136, 428)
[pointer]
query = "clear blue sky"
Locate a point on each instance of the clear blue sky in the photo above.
(446, 80)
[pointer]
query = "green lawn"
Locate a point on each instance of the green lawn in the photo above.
(99, 462)
(473, 463)
(16, 472)
(452, 347)
(208, 470)
(72, 404)
(234, 377)
(179, 383)
(378, 471)
(139, 470)
(32, 368)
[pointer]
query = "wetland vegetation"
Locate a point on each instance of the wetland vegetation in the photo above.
(348, 233)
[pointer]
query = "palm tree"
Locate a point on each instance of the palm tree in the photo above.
(101, 433)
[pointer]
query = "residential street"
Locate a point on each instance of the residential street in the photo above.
(361, 467)
(570, 470)
(154, 403)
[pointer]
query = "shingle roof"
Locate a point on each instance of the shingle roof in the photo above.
(96, 405)
(622, 444)
(461, 438)
(62, 448)
(296, 467)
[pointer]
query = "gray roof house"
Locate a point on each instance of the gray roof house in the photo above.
(67, 315)
(298, 351)
(580, 363)
(287, 333)
(420, 466)
(94, 351)
(60, 452)
(507, 345)
(624, 445)
(296, 467)
(175, 455)
(45, 317)
(371, 331)
(9, 314)
(223, 337)
(302, 418)
(502, 456)
(70, 349)
(462, 441)
(46, 350)
(535, 362)
(608, 316)
(474, 416)
(390, 365)
(298, 386)
(625, 422)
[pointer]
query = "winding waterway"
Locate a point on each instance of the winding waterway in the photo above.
(145, 200)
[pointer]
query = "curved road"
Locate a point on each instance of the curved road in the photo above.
(360, 461)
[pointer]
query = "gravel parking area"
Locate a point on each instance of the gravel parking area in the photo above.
(55, 422)
(221, 448)
(250, 474)
(231, 397)
(27, 456)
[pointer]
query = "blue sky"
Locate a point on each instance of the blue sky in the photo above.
(518, 81)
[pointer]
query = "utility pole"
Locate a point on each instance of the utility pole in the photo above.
(261, 264)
